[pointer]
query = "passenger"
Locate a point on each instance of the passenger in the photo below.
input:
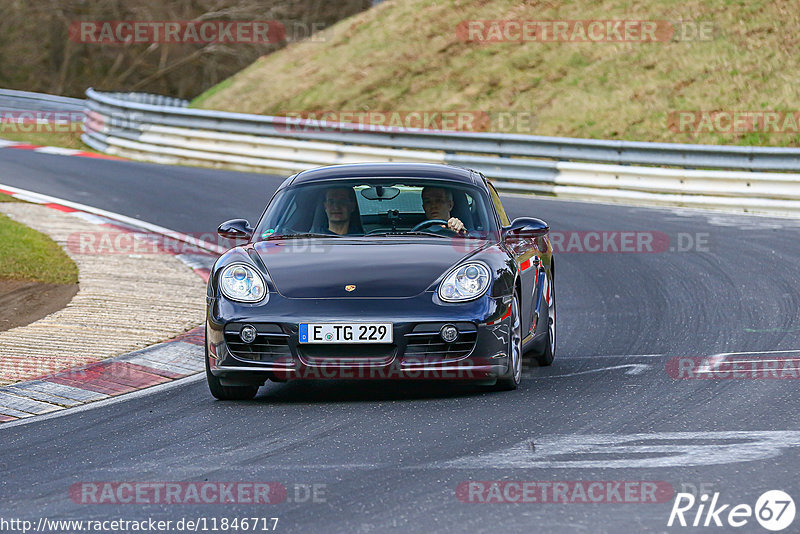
(341, 207)
(437, 203)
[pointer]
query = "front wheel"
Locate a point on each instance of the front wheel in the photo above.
(227, 392)
(512, 378)
(546, 356)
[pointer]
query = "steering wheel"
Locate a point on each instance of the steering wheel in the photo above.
(431, 222)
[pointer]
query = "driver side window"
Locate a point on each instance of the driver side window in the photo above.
(498, 206)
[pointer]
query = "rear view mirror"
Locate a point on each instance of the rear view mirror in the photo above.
(235, 229)
(380, 193)
(525, 228)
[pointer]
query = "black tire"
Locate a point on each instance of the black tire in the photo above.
(547, 354)
(228, 392)
(511, 379)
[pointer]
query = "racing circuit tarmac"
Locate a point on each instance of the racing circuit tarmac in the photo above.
(393, 457)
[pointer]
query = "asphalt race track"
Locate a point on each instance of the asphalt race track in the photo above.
(390, 457)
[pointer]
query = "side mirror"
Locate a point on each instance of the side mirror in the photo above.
(525, 228)
(235, 229)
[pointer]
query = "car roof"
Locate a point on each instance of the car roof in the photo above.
(389, 170)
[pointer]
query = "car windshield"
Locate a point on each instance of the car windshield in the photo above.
(379, 208)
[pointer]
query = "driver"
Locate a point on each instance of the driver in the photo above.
(340, 207)
(437, 203)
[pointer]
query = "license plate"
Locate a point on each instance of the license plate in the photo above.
(345, 333)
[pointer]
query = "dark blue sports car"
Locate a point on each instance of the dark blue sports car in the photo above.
(380, 271)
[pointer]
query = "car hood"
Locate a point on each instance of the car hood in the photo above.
(387, 268)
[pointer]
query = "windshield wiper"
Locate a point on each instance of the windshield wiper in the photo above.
(307, 234)
(408, 233)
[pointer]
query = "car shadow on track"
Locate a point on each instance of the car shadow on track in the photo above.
(310, 391)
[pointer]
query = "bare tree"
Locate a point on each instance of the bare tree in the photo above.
(37, 53)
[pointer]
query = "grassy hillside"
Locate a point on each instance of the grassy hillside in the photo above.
(406, 55)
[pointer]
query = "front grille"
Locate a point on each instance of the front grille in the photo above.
(367, 353)
(271, 344)
(425, 344)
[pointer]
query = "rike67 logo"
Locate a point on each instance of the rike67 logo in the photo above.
(774, 510)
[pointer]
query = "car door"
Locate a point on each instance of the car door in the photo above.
(525, 254)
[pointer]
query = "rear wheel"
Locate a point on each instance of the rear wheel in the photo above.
(512, 378)
(227, 392)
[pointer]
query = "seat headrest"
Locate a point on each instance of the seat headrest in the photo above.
(461, 209)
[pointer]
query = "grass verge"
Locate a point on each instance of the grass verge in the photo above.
(26, 254)
(59, 139)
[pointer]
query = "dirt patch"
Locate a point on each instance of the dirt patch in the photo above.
(23, 303)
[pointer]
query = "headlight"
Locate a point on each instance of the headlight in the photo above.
(242, 283)
(467, 282)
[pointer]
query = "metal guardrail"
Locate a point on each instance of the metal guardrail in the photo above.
(147, 98)
(135, 126)
(28, 101)
(13, 100)
(509, 145)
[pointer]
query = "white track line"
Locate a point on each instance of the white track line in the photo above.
(43, 199)
(633, 369)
